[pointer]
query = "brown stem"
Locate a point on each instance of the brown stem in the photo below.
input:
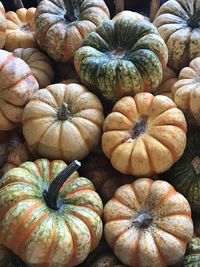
(154, 6)
(64, 113)
(18, 4)
(143, 220)
(119, 6)
(194, 20)
(70, 15)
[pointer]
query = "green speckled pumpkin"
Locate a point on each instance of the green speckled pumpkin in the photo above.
(123, 57)
(192, 258)
(184, 175)
(47, 219)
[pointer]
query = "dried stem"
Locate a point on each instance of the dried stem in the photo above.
(18, 4)
(154, 6)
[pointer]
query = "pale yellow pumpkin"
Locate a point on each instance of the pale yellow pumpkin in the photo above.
(2, 26)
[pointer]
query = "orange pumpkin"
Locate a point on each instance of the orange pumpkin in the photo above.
(148, 223)
(144, 135)
(17, 85)
(2, 26)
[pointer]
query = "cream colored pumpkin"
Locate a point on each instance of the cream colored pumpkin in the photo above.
(2, 26)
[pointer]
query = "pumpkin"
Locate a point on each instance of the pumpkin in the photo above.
(184, 175)
(192, 258)
(65, 71)
(40, 64)
(66, 119)
(186, 91)
(144, 135)
(2, 26)
(101, 173)
(53, 219)
(127, 13)
(62, 25)
(169, 79)
(148, 223)
(17, 85)
(178, 24)
(123, 57)
(20, 31)
(107, 259)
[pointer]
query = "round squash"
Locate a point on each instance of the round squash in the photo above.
(67, 122)
(184, 175)
(62, 25)
(186, 92)
(148, 223)
(144, 135)
(192, 258)
(40, 64)
(178, 24)
(47, 218)
(20, 31)
(2, 26)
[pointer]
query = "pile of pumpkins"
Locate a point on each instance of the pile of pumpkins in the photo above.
(99, 136)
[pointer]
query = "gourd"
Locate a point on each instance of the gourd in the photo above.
(2, 26)
(192, 258)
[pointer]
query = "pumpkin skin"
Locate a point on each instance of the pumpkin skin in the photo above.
(40, 64)
(66, 235)
(122, 57)
(107, 260)
(20, 31)
(185, 173)
(17, 85)
(2, 26)
(60, 36)
(192, 258)
(67, 120)
(148, 223)
(144, 135)
(178, 24)
(186, 92)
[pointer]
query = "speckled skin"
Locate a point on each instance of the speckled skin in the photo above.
(161, 243)
(186, 92)
(107, 260)
(156, 147)
(61, 38)
(42, 236)
(17, 85)
(70, 138)
(137, 69)
(183, 42)
(2, 26)
(40, 64)
(20, 31)
(192, 258)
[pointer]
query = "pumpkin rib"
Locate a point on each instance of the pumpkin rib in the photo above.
(135, 193)
(130, 168)
(168, 232)
(111, 151)
(4, 115)
(163, 260)
(148, 152)
(9, 58)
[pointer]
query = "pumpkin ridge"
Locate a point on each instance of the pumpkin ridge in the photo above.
(60, 140)
(135, 193)
(3, 113)
(69, 195)
(134, 251)
(9, 58)
(151, 164)
(130, 168)
(43, 134)
(111, 151)
(113, 241)
(163, 260)
(40, 68)
(82, 134)
(90, 120)
(176, 236)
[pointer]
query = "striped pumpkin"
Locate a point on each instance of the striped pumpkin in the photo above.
(47, 219)
(2, 26)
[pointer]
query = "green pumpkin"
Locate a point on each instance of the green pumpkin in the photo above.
(123, 57)
(192, 258)
(47, 219)
(184, 175)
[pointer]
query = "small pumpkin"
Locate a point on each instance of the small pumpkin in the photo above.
(40, 64)
(17, 85)
(123, 57)
(67, 122)
(2, 26)
(192, 258)
(144, 135)
(20, 31)
(62, 25)
(178, 24)
(47, 213)
(148, 223)
(186, 91)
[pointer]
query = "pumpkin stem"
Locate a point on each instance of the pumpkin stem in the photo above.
(139, 128)
(51, 196)
(194, 20)
(143, 220)
(70, 15)
(64, 112)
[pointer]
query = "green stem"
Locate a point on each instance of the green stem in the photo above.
(51, 196)
(70, 15)
(194, 20)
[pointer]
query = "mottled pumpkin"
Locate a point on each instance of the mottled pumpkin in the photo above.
(186, 92)
(20, 29)
(67, 122)
(123, 57)
(2, 26)
(62, 25)
(178, 24)
(184, 175)
(17, 85)
(46, 218)
(40, 64)
(192, 258)
(144, 135)
(148, 223)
